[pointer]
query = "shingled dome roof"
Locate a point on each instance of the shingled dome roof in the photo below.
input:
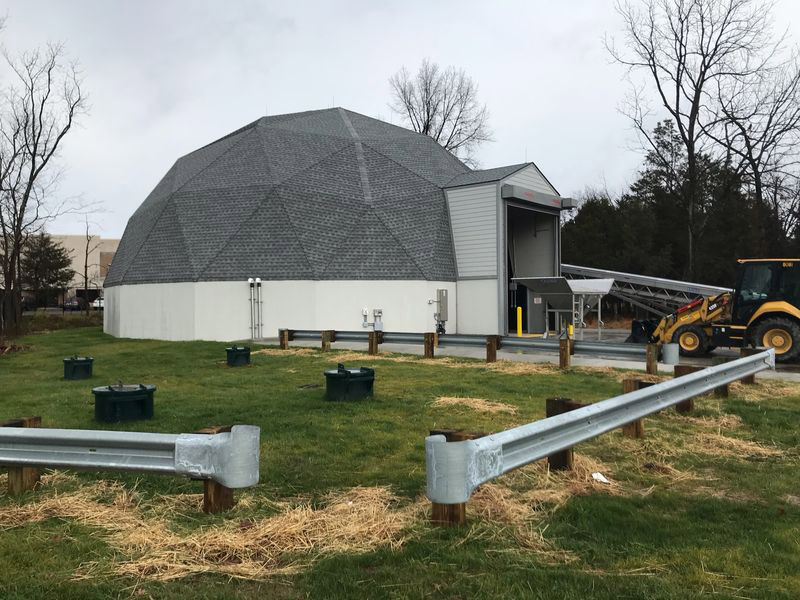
(327, 194)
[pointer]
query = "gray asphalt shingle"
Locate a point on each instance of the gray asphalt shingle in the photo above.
(283, 198)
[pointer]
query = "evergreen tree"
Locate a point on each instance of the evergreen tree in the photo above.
(45, 267)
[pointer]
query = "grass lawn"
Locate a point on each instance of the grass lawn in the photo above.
(704, 505)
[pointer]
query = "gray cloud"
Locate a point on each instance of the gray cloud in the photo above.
(167, 77)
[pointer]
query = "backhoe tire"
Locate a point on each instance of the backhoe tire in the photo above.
(779, 333)
(691, 340)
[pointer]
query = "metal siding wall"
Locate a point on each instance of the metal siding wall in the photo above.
(473, 218)
(531, 178)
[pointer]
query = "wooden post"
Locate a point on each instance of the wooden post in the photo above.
(22, 479)
(686, 406)
(452, 514)
(435, 339)
(747, 351)
(372, 345)
(216, 497)
(429, 344)
(563, 460)
(723, 390)
(652, 359)
(327, 337)
(563, 353)
(283, 338)
(634, 429)
(492, 343)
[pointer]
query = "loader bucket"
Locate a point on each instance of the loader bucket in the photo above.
(641, 331)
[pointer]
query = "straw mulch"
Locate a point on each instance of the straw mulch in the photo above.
(478, 404)
(501, 366)
(764, 391)
(289, 352)
(357, 520)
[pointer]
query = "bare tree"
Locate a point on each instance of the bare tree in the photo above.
(444, 105)
(40, 107)
(687, 49)
(758, 124)
(92, 244)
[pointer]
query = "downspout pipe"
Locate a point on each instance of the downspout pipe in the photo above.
(251, 283)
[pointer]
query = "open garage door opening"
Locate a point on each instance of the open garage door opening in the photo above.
(531, 250)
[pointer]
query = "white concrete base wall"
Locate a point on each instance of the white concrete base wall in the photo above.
(478, 307)
(220, 310)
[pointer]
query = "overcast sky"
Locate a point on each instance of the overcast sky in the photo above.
(165, 77)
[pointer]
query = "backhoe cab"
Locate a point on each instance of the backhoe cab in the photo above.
(763, 310)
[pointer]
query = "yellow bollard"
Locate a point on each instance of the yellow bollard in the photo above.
(519, 321)
(570, 331)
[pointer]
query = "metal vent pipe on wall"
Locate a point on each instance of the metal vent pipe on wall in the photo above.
(256, 308)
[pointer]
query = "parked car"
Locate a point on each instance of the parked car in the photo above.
(74, 304)
(97, 304)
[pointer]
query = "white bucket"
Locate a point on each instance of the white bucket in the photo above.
(670, 354)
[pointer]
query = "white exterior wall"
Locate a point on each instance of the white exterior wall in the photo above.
(153, 310)
(221, 310)
(478, 306)
(530, 177)
(473, 218)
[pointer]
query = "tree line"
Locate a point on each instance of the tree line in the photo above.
(720, 174)
(644, 229)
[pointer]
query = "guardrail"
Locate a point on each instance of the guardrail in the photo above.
(634, 351)
(230, 458)
(455, 469)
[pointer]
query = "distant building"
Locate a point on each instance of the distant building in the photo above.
(101, 253)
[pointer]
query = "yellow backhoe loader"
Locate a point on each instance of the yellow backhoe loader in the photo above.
(763, 310)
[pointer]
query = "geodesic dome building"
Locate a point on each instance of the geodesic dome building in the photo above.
(333, 211)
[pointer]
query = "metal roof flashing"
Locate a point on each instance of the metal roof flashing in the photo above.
(516, 192)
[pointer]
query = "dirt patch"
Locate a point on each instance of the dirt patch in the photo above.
(478, 404)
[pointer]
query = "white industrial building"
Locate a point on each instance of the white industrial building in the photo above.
(335, 213)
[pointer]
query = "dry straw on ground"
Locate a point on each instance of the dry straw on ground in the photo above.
(357, 520)
(289, 352)
(478, 404)
(764, 391)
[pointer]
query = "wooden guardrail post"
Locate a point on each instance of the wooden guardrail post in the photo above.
(634, 429)
(651, 356)
(328, 336)
(216, 497)
(22, 479)
(452, 514)
(723, 390)
(284, 337)
(563, 460)
(428, 342)
(564, 348)
(492, 344)
(686, 406)
(372, 344)
(747, 351)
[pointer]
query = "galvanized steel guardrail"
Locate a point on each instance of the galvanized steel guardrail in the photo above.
(548, 345)
(455, 469)
(230, 458)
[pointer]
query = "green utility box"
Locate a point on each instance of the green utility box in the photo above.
(238, 357)
(78, 367)
(349, 384)
(117, 403)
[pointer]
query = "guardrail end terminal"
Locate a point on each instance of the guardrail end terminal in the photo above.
(230, 458)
